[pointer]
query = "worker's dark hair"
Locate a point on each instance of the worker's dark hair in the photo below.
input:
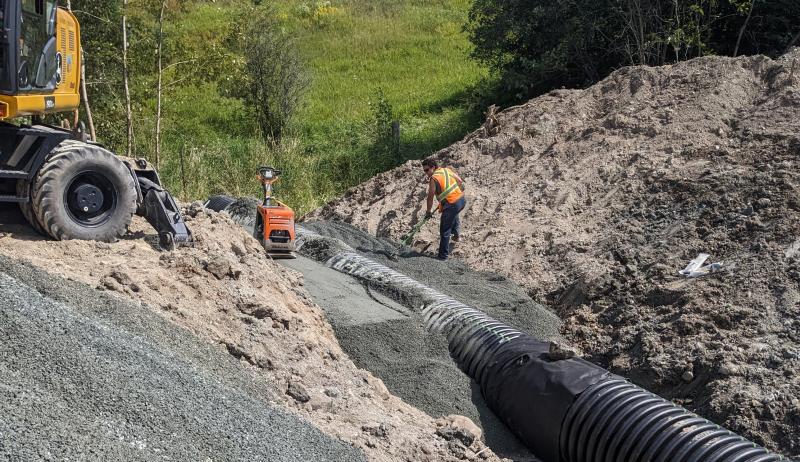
(430, 163)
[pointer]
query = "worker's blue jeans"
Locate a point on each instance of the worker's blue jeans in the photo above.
(451, 224)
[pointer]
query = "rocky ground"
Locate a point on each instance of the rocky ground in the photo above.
(594, 199)
(226, 292)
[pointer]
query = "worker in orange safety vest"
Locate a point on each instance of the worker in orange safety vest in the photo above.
(447, 188)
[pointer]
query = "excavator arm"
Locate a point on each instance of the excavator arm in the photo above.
(161, 211)
(158, 206)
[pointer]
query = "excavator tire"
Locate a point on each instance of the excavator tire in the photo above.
(84, 192)
(24, 190)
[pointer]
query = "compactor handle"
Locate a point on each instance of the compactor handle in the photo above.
(268, 174)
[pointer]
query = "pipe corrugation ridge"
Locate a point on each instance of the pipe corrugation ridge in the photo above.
(615, 420)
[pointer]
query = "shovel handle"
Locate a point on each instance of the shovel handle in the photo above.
(414, 231)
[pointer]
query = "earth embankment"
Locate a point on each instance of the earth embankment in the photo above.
(593, 200)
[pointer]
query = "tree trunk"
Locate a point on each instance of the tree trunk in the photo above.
(744, 26)
(85, 98)
(641, 37)
(160, 75)
(129, 112)
(677, 46)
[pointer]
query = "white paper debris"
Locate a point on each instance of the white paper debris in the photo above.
(695, 267)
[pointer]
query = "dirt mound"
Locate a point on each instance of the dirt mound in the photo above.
(227, 291)
(594, 199)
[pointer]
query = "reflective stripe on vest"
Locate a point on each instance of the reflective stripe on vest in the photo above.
(448, 184)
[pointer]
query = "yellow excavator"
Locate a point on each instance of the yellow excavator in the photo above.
(66, 186)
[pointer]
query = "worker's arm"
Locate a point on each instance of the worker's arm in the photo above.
(460, 182)
(431, 195)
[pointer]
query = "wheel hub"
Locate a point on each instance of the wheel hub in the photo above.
(90, 199)
(87, 198)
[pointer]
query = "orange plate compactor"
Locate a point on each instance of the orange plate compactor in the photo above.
(274, 219)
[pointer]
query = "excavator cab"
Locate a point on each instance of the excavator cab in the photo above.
(37, 69)
(39, 59)
(66, 187)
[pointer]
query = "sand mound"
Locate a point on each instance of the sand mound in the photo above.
(594, 199)
(86, 375)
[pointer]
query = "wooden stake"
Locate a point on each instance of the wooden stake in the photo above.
(183, 173)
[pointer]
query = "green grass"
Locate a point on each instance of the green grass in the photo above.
(411, 51)
(417, 56)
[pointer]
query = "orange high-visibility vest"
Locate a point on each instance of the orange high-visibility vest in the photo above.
(450, 191)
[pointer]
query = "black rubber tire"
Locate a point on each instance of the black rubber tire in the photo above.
(24, 189)
(219, 203)
(67, 162)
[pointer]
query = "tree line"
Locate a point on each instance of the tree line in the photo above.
(142, 54)
(538, 45)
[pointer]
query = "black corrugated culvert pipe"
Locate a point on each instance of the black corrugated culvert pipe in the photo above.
(564, 410)
(570, 410)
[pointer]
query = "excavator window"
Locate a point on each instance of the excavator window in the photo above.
(37, 46)
(33, 6)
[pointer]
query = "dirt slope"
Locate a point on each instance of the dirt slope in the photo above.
(594, 199)
(225, 290)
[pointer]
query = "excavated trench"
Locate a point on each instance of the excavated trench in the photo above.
(414, 362)
(601, 416)
(383, 331)
(562, 407)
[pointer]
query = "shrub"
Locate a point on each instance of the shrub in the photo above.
(274, 77)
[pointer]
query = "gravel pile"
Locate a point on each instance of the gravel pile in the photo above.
(87, 376)
(227, 292)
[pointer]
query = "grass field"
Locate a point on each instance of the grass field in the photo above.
(412, 54)
(370, 62)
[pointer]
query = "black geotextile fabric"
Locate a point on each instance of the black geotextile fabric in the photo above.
(532, 393)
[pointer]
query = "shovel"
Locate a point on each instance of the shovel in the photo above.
(410, 236)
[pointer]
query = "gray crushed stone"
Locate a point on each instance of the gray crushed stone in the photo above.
(86, 376)
(495, 295)
(344, 298)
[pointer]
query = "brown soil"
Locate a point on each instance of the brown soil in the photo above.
(594, 200)
(228, 292)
